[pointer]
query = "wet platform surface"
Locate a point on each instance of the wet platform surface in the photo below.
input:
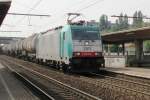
(11, 88)
(133, 71)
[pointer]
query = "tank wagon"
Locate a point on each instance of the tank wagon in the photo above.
(73, 47)
(29, 47)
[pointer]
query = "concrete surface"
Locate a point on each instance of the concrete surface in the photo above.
(133, 71)
(115, 61)
(13, 89)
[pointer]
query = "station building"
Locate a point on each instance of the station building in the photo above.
(132, 53)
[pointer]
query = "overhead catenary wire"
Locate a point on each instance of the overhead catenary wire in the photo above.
(9, 25)
(144, 17)
(32, 8)
(22, 14)
(90, 5)
(86, 7)
(36, 4)
(10, 31)
(23, 5)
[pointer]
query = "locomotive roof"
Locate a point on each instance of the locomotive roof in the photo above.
(52, 29)
(74, 26)
(87, 27)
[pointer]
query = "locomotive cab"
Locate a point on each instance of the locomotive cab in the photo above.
(87, 48)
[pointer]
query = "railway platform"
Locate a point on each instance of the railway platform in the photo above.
(132, 71)
(13, 89)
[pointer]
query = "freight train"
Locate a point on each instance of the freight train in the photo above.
(73, 47)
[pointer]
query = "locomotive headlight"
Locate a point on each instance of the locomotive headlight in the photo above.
(86, 43)
(78, 53)
(98, 54)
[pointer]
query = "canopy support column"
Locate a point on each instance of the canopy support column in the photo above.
(139, 49)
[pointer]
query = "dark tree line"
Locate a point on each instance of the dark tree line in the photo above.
(138, 20)
(104, 23)
(121, 23)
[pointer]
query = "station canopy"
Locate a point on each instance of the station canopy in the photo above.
(127, 35)
(4, 6)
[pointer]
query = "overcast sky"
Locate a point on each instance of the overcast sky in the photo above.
(58, 9)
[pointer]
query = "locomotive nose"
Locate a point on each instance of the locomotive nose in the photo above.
(86, 43)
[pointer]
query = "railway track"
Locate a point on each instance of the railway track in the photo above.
(105, 87)
(136, 86)
(141, 91)
(127, 77)
(63, 91)
(31, 84)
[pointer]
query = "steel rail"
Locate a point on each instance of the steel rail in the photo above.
(76, 91)
(31, 83)
(123, 87)
(122, 79)
(104, 82)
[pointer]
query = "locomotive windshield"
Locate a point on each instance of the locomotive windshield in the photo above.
(85, 34)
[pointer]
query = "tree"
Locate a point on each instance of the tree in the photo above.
(138, 19)
(126, 22)
(135, 19)
(123, 21)
(104, 23)
(115, 26)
